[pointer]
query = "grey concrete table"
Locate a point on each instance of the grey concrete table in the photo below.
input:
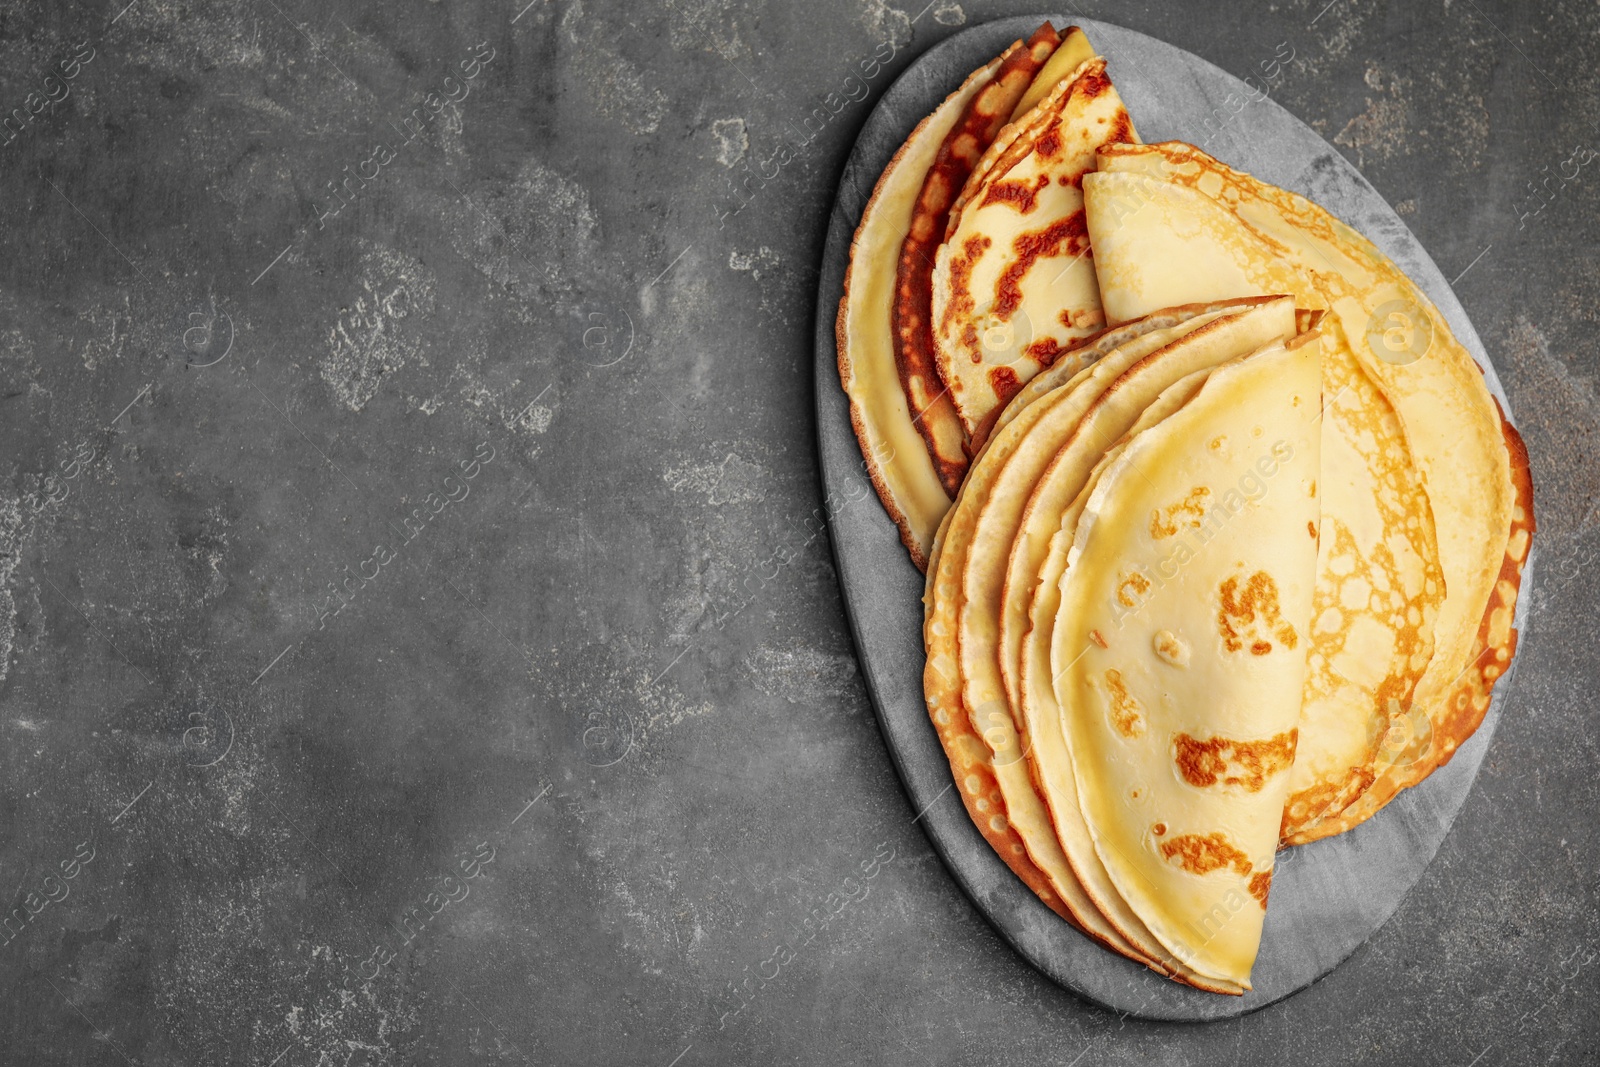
(419, 641)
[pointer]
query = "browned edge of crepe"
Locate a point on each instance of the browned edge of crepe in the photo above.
(1470, 697)
(932, 410)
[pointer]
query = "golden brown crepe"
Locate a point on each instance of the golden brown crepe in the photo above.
(984, 116)
(1060, 437)
(1162, 238)
(1049, 761)
(1093, 407)
(897, 459)
(1179, 653)
(915, 443)
(1073, 52)
(1013, 286)
(1030, 537)
(973, 768)
(1414, 437)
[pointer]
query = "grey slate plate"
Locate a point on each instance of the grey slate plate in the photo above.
(1327, 898)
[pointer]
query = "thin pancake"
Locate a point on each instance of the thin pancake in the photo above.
(1031, 539)
(1074, 51)
(1380, 581)
(1096, 408)
(1049, 762)
(1178, 653)
(982, 118)
(970, 763)
(1063, 442)
(896, 457)
(1013, 286)
(1010, 815)
(1471, 458)
(1021, 808)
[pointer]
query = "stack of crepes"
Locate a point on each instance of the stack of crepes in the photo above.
(1223, 530)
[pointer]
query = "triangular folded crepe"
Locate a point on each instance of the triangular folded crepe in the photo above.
(1045, 735)
(894, 452)
(914, 443)
(1090, 410)
(1399, 607)
(964, 146)
(1073, 52)
(1179, 652)
(1061, 437)
(1014, 285)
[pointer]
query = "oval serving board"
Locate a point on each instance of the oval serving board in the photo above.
(1328, 897)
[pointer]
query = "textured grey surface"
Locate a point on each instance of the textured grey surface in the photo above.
(1328, 897)
(631, 616)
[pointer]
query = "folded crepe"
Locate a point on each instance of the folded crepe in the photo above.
(896, 457)
(1045, 738)
(1427, 506)
(1179, 653)
(985, 116)
(915, 442)
(1014, 286)
(1083, 413)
